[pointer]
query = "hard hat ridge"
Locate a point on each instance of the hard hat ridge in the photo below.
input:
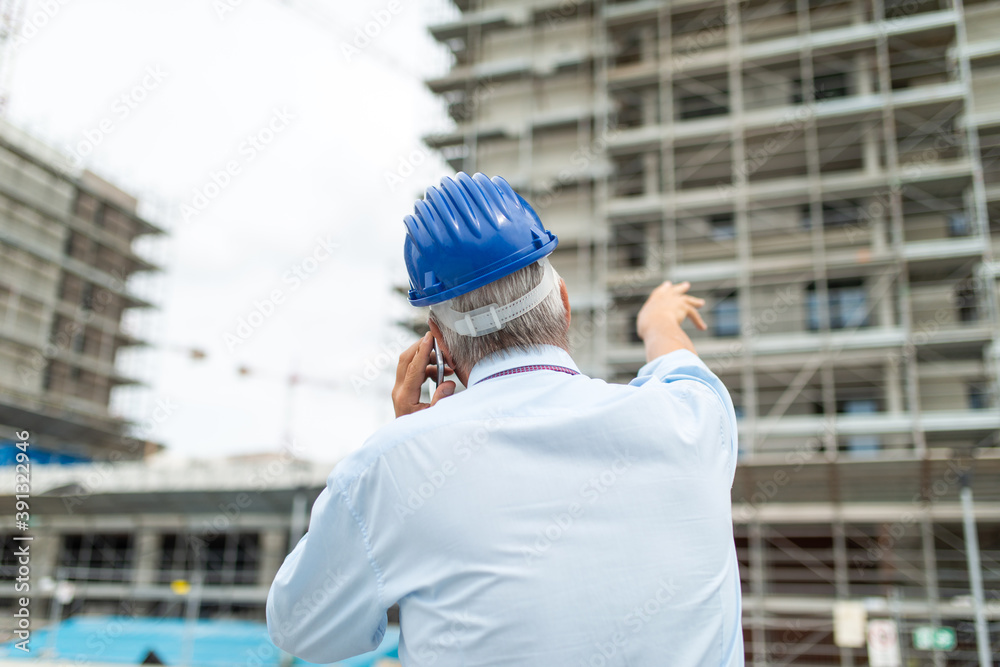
(468, 232)
(463, 207)
(444, 211)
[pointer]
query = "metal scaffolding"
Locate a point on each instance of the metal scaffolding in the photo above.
(825, 174)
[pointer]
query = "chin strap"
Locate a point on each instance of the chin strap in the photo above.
(493, 317)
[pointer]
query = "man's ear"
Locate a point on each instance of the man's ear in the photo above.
(565, 299)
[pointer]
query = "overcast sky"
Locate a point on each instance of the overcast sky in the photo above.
(267, 129)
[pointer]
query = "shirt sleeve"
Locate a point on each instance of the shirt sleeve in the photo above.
(325, 603)
(684, 365)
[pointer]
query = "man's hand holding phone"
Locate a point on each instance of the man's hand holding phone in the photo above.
(416, 366)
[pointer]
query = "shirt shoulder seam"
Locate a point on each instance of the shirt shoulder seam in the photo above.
(723, 416)
(369, 551)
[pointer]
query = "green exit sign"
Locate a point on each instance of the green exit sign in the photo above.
(929, 638)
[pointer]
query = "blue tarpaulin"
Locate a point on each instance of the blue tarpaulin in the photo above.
(39, 455)
(129, 640)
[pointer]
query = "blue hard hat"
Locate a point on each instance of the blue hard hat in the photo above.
(467, 233)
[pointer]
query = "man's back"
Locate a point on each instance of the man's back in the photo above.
(538, 518)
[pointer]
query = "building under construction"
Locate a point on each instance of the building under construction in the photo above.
(111, 534)
(116, 539)
(825, 173)
(66, 245)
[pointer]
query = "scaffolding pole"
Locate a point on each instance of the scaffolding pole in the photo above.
(975, 573)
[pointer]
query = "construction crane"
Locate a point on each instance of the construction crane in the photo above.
(292, 380)
(11, 17)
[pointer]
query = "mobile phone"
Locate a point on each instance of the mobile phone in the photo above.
(440, 365)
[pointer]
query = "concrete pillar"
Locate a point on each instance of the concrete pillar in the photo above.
(841, 578)
(828, 390)
(859, 12)
(272, 555)
(649, 107)
(878, 231)
(869, 137)
(758, 592)
(13, 305)
(650, 174)
(648, 43)
(931, 578)
(147, 556)
(862, 74)
(893, 388)
(882, 286)
(44, 555)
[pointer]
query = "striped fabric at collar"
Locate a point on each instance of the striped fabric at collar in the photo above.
(528, 369)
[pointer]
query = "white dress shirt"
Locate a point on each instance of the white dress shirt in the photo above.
(538, 518)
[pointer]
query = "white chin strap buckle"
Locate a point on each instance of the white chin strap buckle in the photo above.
(493, 317)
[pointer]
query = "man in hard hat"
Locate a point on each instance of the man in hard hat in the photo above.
(540, 517)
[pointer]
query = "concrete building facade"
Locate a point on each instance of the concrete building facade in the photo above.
(164, 540)
(825, 173)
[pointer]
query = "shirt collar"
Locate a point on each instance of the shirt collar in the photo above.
(515, 358)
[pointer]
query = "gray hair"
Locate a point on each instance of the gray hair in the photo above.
(545, 324)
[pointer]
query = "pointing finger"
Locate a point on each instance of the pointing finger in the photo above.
(696, 318)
